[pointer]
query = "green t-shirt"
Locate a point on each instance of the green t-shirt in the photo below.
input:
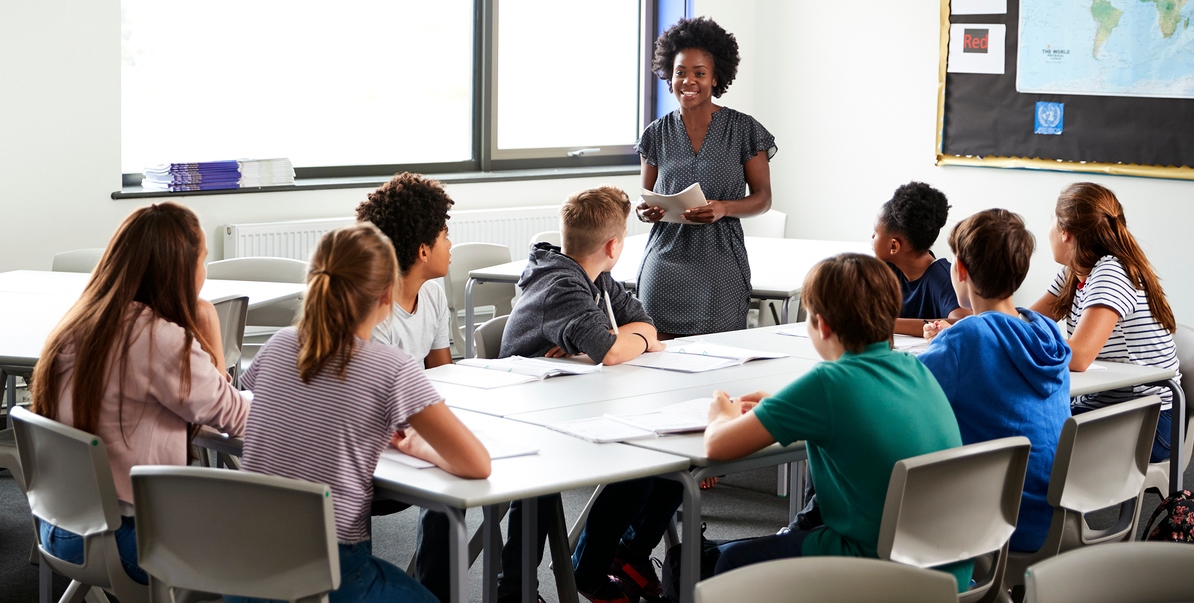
(858, 416)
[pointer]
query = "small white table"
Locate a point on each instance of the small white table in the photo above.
(777, 267)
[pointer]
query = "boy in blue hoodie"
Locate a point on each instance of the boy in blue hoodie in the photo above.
(571, 305)
(1005, 370)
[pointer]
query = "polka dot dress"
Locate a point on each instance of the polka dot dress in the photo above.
(695, 278)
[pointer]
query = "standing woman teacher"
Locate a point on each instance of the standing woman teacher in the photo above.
(695, 277)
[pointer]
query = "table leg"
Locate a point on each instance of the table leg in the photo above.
(1177, 433)
(782, 483)
(469, 313)
(492, 536)
(458, 554)
(690, 543)
(530, 548)
(796, 494)
(561, 554)
(783, 312)
(7, 404)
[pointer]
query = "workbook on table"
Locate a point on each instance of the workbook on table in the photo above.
(699, 356)
(500, 372)
(906, 343)
(683, 417)
(675, 205)
(498, 447)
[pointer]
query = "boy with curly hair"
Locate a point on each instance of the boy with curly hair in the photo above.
(413, 212)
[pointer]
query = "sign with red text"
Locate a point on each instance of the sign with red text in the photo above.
(977, 48)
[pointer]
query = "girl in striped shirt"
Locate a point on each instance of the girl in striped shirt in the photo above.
(327, 402)
(1110, 296)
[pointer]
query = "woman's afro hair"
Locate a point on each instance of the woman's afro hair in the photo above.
(704, 34)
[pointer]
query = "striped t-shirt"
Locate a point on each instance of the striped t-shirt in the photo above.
(1137, 338)
(330, 431)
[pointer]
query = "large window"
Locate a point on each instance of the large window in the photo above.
(365, 87)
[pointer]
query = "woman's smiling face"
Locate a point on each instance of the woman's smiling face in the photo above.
(692, 77)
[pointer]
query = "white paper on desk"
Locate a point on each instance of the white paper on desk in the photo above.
(908, 343)
(475, 377)
(675, 205)
(684, 363)
(539, 368)
(601, 430)
(682, 417)
(498, 447)
(799, 329)
(701, 347)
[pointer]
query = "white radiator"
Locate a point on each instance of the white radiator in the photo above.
(512, 227)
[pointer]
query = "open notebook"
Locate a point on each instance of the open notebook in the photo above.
(499, 448)
(683, 417)
(700, 356)
(490, 373)
(906, 343)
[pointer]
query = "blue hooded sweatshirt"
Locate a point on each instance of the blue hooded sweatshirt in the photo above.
(1009, 376)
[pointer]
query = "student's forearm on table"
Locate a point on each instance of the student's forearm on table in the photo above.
(628, 346)
(910, 326)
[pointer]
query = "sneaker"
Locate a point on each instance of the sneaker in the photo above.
(637, 576)
(611, 591)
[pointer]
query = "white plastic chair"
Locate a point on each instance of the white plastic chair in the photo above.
(487, 339)
(78, 260)
(491, 299)
(1101, 460)
(232, 312)
(69, 484)
(828, 580)
(263, 322)
(550, 236)
(279, 544)
(1158, 473)
(772, 224)
(1141, 572)
(953, 505)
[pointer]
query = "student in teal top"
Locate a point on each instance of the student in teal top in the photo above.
(864, 409)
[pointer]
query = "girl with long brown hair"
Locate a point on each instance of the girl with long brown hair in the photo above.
(1110, 296)
(137, 359)
(327, 401)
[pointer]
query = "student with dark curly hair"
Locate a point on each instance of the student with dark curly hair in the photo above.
(413, 212)
(695, 277)
(907, 227)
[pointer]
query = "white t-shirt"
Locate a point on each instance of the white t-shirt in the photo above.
(424, 330)
(1136, 339)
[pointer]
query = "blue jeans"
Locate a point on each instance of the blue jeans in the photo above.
(367, 579)
(741, 553)
(631, 515)
(432, 555)
(68, 546)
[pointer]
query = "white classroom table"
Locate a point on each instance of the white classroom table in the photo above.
(563, 463)
(777, 267)
(1105, 376)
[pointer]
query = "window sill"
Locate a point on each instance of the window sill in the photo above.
(315, 184)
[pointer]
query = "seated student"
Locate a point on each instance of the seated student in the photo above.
(1111, 298)
(413, 212)
(859, 412)
(137, 359)
(362, 395)
(1005, 370)
(571, 305)
(906, 228)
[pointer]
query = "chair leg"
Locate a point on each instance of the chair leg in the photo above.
(561, 554)
(579, 526)
(75, 592)
(45, 585)
(96, 594)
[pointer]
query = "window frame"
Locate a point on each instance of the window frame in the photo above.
(486, 157)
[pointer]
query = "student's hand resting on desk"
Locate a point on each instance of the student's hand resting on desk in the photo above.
(649, 213)
(556, 352)
(749, 401)
(709, 213)
(935, 327)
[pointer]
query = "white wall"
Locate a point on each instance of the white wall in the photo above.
(60, 144)
(850, 96)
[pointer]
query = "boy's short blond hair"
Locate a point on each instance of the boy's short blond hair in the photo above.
(591, 217)
(857, 294)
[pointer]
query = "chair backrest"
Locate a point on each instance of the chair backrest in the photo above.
(471, 256)
(280, 543)
(267, 269)
(78, 260)
(772, 224)
(487, 339)
(550, 236)
(829, 579)
(68, 483)
(1183, 340)
(1141, 572)
(954, 504)
(233, 311)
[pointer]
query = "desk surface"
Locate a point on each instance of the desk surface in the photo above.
(72, 284)
(777, 266)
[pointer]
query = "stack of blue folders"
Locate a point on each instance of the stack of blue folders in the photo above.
(213, 175)
(199, 176)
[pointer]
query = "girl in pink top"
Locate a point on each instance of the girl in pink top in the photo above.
(138, 360)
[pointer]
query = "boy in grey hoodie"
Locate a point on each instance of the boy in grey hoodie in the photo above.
(571, 305)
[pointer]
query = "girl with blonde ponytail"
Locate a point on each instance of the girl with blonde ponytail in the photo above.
(327, 401)
(1110, 296)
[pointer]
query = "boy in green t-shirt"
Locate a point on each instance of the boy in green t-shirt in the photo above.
(864, 409)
